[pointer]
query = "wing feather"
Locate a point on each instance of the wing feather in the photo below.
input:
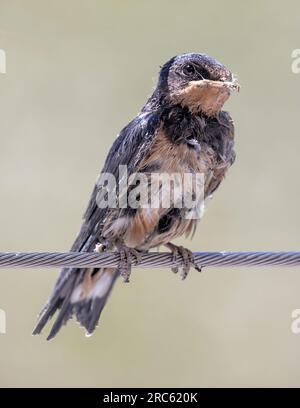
(130, 147)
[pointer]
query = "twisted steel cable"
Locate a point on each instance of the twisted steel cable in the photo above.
(149, 260)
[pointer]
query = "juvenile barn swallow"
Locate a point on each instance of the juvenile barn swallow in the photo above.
(181, 128)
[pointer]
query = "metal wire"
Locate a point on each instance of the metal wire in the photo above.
(149, 260)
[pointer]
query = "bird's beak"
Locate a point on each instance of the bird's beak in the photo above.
(232, 85)
(217, 85)
(206, 95)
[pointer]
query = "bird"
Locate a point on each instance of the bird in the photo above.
(182, 128)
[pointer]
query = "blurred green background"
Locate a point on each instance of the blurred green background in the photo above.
(77, 72)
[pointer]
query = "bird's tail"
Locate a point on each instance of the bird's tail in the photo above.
(78, 292)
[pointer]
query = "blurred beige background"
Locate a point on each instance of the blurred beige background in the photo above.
(77, 72)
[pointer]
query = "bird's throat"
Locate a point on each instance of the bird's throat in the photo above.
(204, 96)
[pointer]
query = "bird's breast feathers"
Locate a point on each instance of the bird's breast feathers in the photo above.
(176, 165)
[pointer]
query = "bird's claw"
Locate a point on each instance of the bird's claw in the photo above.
(185, 263)
(126, 257)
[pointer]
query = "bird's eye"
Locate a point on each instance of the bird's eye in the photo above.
(189, 69)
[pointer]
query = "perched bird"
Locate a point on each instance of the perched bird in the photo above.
(181, 129)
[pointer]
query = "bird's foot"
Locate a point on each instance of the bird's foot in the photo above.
(187, 257)
(126, 256)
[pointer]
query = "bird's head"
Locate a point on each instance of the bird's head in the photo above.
(198, 82)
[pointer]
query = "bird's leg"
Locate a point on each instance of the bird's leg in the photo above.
(126, 255)
(188, 259)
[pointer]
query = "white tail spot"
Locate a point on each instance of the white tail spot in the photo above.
(99, 289)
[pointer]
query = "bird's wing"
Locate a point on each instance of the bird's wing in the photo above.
(226, 154)
(129, 149)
